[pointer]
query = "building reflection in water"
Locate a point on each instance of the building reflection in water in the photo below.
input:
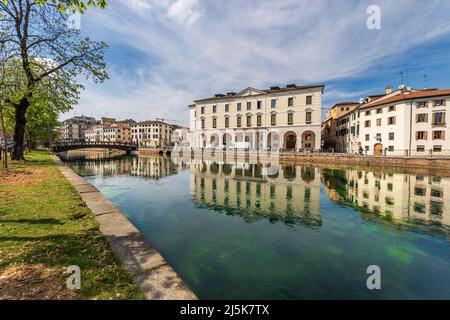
(394, 196)
(291, 196)
(150, 167)
(291, 193)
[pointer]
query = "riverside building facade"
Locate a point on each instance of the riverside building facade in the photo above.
(75, 128)
(406, 122)
(280, 118)
(152, 134)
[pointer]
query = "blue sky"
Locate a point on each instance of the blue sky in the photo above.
(165, 53)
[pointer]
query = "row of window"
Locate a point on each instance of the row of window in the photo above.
(420, 135)
(145, 130)
(419, 104)
(378, 111)
(438, 118)
(273, 104)
(273, 120)
(435, 103)
(390, 121)
(145, 136)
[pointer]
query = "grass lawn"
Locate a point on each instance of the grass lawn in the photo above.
(44, 228)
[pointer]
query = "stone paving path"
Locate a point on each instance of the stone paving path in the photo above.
(148, 268)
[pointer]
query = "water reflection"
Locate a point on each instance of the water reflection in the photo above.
(249, 231)
(291, 193)
(244, 190)
(407, 198)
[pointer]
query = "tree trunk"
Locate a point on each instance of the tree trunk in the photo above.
(19, 129)
(5, 140)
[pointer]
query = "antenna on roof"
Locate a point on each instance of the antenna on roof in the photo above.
(407, 74)
(402, 74)
(425, 78)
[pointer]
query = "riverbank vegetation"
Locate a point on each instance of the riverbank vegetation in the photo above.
(44, 228)
(42, 57)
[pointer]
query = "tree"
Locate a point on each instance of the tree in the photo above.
(36, 32)
(73, 5)
(4, 150)
(50, 97)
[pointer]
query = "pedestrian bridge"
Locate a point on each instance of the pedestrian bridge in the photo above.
(74, 145)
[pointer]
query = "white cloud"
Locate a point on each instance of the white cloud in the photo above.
(184, 11)
(218, 46)
(138, 4)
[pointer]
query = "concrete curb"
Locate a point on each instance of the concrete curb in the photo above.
(148, 268)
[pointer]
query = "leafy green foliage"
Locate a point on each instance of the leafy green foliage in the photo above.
(50, 97)
(71, 5)
(53, 56)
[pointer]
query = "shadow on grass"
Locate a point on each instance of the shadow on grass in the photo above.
(49, 221)
(100, 270)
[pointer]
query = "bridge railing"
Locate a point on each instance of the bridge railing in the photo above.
(80, 143)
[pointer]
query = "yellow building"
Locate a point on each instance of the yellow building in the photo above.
(329, 129)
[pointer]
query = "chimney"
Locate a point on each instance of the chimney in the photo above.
(389, 89)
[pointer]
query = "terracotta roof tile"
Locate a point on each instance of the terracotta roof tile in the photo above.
(407, 96)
